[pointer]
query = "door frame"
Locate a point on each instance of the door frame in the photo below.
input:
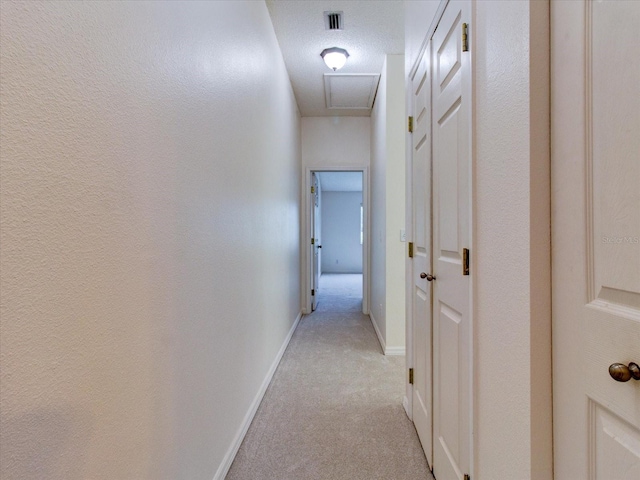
(308, 250)
(316, 250)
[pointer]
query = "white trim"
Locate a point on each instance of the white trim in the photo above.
(472, 237)
(375, 80)
(378, 333)
(308, 256)
(391, 351)
(225, 465)
(408, 399)
(407, 407)
(395, 351)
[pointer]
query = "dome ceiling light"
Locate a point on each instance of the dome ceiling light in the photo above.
(334, 57)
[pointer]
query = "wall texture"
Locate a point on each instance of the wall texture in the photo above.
(140, 316)
(512, 205)
(388, 206)
(341, 247)
(335, 141)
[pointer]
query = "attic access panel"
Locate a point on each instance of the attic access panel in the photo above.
(354, 91)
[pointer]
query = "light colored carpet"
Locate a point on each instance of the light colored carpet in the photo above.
(334, 407)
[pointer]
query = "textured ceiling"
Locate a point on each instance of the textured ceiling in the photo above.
(371, 30)
(340, 181)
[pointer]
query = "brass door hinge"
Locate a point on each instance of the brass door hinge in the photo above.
(313, 292)
(313, 189)
(465, 37)
(410, 249)
(465, 261)
(410, 124)
(313, 241)
(411, 376)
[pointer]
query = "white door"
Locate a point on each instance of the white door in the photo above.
(451, 87)
(421, 288)
(595, 88)
(315, 241)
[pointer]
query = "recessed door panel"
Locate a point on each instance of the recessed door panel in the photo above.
(448, 60)
(448, 173)
(615, 444)
(449, 321)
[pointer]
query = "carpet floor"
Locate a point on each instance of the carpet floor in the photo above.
(334, 407)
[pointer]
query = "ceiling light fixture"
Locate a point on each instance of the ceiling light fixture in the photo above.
(334, 57)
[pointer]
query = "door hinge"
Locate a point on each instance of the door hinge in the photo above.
(411, 376)
(313, 189)
(410, 124)
(465, 37)
(313, 292)
(313, 241)
(465, 261)
(410, 249)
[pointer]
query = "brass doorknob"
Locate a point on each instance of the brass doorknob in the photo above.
(621, 373)
(428, 276)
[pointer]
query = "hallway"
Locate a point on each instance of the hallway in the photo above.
(334, 407)
(157, 248)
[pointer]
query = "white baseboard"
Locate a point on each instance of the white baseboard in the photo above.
(391, 351)
(378, 333)
(224, 467)
(397, 351)
(405, 404)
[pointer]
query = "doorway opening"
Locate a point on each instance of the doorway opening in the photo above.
(337, 256)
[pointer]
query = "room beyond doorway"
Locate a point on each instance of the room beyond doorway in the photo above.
(337, 225)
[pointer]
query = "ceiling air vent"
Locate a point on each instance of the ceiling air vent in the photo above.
(333, 21)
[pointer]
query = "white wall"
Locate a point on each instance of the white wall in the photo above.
(388, 207)
(335, 142)
(512, 237)
(341, 247)
(140, 316)
(512, 411)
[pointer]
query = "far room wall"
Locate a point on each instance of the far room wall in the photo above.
(341, 247)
